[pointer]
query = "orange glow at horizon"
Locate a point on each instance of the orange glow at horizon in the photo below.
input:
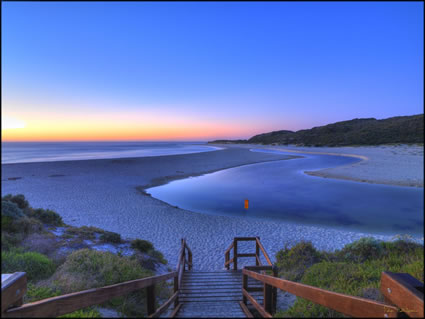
(119, 127)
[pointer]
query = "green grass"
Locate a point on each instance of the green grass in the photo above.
(110, 237)
(85, 269)
(354, 270)
(142, 245)
(37, 266)
(47, 216)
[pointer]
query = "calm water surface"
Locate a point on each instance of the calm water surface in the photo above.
(22, 152)
(280, 190)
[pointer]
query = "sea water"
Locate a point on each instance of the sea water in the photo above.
(24, 152)
(281, 190)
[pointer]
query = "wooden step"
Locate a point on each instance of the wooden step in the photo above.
(214, 294)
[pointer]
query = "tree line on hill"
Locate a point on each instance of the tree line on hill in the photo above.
(368, 131)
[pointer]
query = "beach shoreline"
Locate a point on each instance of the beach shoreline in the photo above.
(401, 165)
(107, 193)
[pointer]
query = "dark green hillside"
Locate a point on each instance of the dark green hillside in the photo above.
(369, 131)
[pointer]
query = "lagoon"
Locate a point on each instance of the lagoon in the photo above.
(281, 190)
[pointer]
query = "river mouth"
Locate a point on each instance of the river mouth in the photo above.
(281, 190)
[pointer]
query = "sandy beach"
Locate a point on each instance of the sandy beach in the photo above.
(400, 165)
(107, 194)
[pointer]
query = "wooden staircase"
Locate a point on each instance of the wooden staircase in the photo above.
(224, 293)
(219, 292)
(216, 294)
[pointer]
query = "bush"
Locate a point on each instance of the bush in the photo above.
(361, 250)
(11, 241)
(84, 232)
(35, 293)
(85, 268)
(356, 270)
(47, 216)
(293, 262)
(158, 256)
(17, 199)
(37, 266)
(142, 245)
(83, 313)
(110, 237)
(23, 225)
(11, 210)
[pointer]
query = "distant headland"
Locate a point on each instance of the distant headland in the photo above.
(367, 131)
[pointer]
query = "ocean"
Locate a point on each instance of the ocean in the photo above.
(26, 152)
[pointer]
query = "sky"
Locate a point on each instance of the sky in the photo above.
(197, 71)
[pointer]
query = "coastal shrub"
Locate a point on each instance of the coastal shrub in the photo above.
(36, 265)
(84, 232)
(362, 249)
(11, 210)
(142, 245)
(293, 262)
(23, 225)
(44, 243)
(47, 216)
(157, 255)
(83, 313)
(359, 273)
(85, 269)
(35, 293)
(10, 240)
(17, 199)
(110, 237)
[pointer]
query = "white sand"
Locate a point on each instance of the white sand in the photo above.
(103, 193)
(401, 165)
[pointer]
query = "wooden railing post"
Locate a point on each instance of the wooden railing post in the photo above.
(150, 299)
(267, 301)
(176, 288)
(190, 261)
(257, 253)
(235, 254)
(13, 289)
(404, 291)
(227, 258)
(244, 286)
(184, 253)
(274, 291)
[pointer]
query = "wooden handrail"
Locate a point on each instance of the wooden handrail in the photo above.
(14, 287)
(404, 291)
(60, 305)
(234, 245)
(348, 305)
(256, 305)
(228, 249)
(264, 251)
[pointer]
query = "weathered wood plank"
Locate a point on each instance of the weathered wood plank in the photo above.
(401, 290)
(164, 306)
(60, 305)
(13, 288)
(246, 255)
(264, 252)
(349, 305)
(245, 238)
(176, 310)
(256, 305)
(245, 310)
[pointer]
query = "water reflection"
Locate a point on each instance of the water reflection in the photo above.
(281, 190)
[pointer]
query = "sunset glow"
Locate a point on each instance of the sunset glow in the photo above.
(202, 71)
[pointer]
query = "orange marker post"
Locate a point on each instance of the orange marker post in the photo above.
(246, 204)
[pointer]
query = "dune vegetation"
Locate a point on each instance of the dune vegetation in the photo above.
(60, 259)
(354, 270)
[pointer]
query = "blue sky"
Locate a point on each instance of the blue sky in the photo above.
(237, 69)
